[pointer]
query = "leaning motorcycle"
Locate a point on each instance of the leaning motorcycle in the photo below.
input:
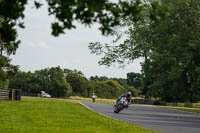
(121, 104)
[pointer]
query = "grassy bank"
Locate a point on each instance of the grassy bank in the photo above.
(41, 115)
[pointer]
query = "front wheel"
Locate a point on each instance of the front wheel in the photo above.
(116, 109)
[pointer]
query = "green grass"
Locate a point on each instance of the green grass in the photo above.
(42, 115)
(193, 110)
(112, 101)
(98, 100)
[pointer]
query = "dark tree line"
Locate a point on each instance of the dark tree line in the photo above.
(65, 82)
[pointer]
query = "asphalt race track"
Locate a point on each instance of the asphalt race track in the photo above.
(160, 119)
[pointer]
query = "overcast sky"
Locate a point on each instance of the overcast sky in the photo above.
(40, 50)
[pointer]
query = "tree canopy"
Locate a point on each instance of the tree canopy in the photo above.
(164, 33)
(167, 38)
(51, 80)
(65, 82)
(66, 12)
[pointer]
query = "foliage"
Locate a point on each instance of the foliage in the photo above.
(65, 82)
(58, 86)
(135, 92)
(174, 59)
(96, 78)
(50, 80)
(87, 12)
(80, 84)
(135, 45)
(108, 89)
(129, 87)
(23, 80)
(4, 84)
(11, 13)
(6, 69)
(134, 79)
(167, 38)
(66, 12)
(122, 82)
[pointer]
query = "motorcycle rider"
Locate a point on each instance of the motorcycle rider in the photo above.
(93, 97)
(127, 96)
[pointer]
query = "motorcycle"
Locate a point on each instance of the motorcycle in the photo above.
(120, 105)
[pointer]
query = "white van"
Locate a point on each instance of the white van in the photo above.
(43, 94)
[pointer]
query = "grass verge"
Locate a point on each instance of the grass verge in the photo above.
(112, 101)
(41, 115)
(98, 100)
(193, 110)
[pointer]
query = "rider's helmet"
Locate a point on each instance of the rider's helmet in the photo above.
(128, 94)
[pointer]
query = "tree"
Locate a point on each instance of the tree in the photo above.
(108, 89)
(6, 71)
(87, 12)
(122, 82)
(59, 87)
(51, 80)
(135, 92)
(136, 44)
(167, 39)
(11, 13)
(134, 79)
(80, 85)
(175, 52)
(22, 80)
(96, 78)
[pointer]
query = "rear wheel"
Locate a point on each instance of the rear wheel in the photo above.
(120, 107)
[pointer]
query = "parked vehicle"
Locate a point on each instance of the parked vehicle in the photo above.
(43, 94)
(121, 104)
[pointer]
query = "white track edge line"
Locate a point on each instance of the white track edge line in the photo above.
(138, 125)
(99, 113)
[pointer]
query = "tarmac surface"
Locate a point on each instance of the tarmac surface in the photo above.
(159, 119)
